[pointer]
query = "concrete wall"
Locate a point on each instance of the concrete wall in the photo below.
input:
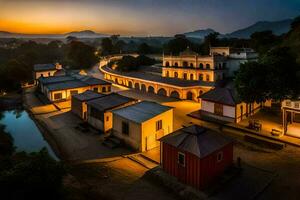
(149, 133)
(135, 132)
(144, 136)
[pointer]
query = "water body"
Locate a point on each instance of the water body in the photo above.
(27, 137)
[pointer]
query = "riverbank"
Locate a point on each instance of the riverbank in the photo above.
(42, 128)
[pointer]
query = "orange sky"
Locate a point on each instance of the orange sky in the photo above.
(139, 17)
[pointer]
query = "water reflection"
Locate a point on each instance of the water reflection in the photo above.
(26, 135)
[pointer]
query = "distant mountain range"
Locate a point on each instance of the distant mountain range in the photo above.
(278, 28)
(78, 34)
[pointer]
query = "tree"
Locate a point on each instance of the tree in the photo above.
(209, 41)
(80, 55)
(296, 23)
(31, 176)
(127, 63)
(178, 44)
(275, 76)
(263, 41)
(107, 46)
(144, 48)
(6, 143)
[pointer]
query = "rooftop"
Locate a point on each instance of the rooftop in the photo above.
(197, 140)
(225, 96)
(44, 67)
(109, 101)
(141, 111)
(70, 81)
(160, 79)
(88, 95)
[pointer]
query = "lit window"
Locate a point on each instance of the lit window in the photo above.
(158, 125)
(181, 159)
(220, 156)
(57, 96)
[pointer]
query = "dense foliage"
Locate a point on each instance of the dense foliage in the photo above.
(28, 176)
(16, 64)
(276, 75)
(130, 63)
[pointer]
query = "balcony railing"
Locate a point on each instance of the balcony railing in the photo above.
(291, 104)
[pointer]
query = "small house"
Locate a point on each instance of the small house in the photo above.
(224, 105)
(79, 102)
(195, 155)
(141, 125)
(99, 113)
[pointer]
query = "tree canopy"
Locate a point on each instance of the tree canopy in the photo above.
(276, 76)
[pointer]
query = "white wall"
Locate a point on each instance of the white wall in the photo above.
(229, 111)
(207, 106)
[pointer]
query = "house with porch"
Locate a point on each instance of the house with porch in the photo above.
(195, 155)
(141, 125)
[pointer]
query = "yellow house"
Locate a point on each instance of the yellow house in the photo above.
(223, 104)
(99, 110)
(79, 102)
(141, 125)
(60, 88)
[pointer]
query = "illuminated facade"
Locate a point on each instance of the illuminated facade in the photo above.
(141, 125)
(192, 66)
(291, 117)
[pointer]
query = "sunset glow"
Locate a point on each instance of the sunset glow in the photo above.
(135, 17)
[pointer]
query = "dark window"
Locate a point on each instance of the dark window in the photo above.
(167, 74)
(207, 66)
(125, 128)
(175, 74)
(158, 125)
(167, 64)
(218, 108)
(73, 92)
(191, 65)
(185, 76)
(95, 89)
(176, 64)
(207, 77)
(103, 89)
(201, 66)
(57, 96)
(192, 76)
(107, 118)
(181, 159)
(200, 77)
(220, 156)
(96, 114)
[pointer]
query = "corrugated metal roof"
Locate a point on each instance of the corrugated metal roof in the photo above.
(70, 81)
(88, 95)
(109, 101)
(197, 140)
(65, 85)
(44, 67)
(221, 95)
(141, 111)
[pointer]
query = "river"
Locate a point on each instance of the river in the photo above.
(27, 137)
